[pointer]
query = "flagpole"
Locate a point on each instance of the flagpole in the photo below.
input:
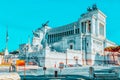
(6, 47)
(7, 37)
(24, 66)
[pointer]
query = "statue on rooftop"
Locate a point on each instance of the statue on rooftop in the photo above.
(45, 24)
(94, 7)
(89, 9)
(35, 34)
(82, 15)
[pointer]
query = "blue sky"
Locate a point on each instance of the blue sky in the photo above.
(23, 16)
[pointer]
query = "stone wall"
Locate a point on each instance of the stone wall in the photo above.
(0, 59)
(53, 59)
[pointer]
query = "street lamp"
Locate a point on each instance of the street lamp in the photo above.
(66, 58)
(104, 58)
(82, 58)
(44, 68)
(104, 53)
(82, 49)
(113, 57)
(85, 49)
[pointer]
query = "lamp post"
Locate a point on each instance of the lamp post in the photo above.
(25, 64)
(44, 68)
(113, 58)
(104, 44)
(82, 51)
(82, 58)
(66, 58)
(104, 58)
(85, 49)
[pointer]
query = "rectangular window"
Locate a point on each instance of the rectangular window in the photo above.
(78, 30)
(89, 26)
(82, 27)
(101, 29)
(71, 46)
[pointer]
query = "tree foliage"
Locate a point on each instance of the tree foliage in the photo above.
(112, 49)
(14, 52)
(1, 53)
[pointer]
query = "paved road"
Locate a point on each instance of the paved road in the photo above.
(49, 77)
(74, 73)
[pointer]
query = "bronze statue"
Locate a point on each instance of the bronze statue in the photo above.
(36, 34)
(94, 7)
(89, 9)
(45, 24)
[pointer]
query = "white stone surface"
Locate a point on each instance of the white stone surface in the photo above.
(1, 57)
(84, 35)
(9, 76)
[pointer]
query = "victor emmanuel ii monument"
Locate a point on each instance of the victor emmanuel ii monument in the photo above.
(78, 42)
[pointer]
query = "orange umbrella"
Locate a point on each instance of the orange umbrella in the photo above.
(20, 62)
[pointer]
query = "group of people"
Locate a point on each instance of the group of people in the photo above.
(12, 68)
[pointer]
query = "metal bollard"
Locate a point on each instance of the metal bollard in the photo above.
(44, 68)
(91, 72)
(56, 73)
